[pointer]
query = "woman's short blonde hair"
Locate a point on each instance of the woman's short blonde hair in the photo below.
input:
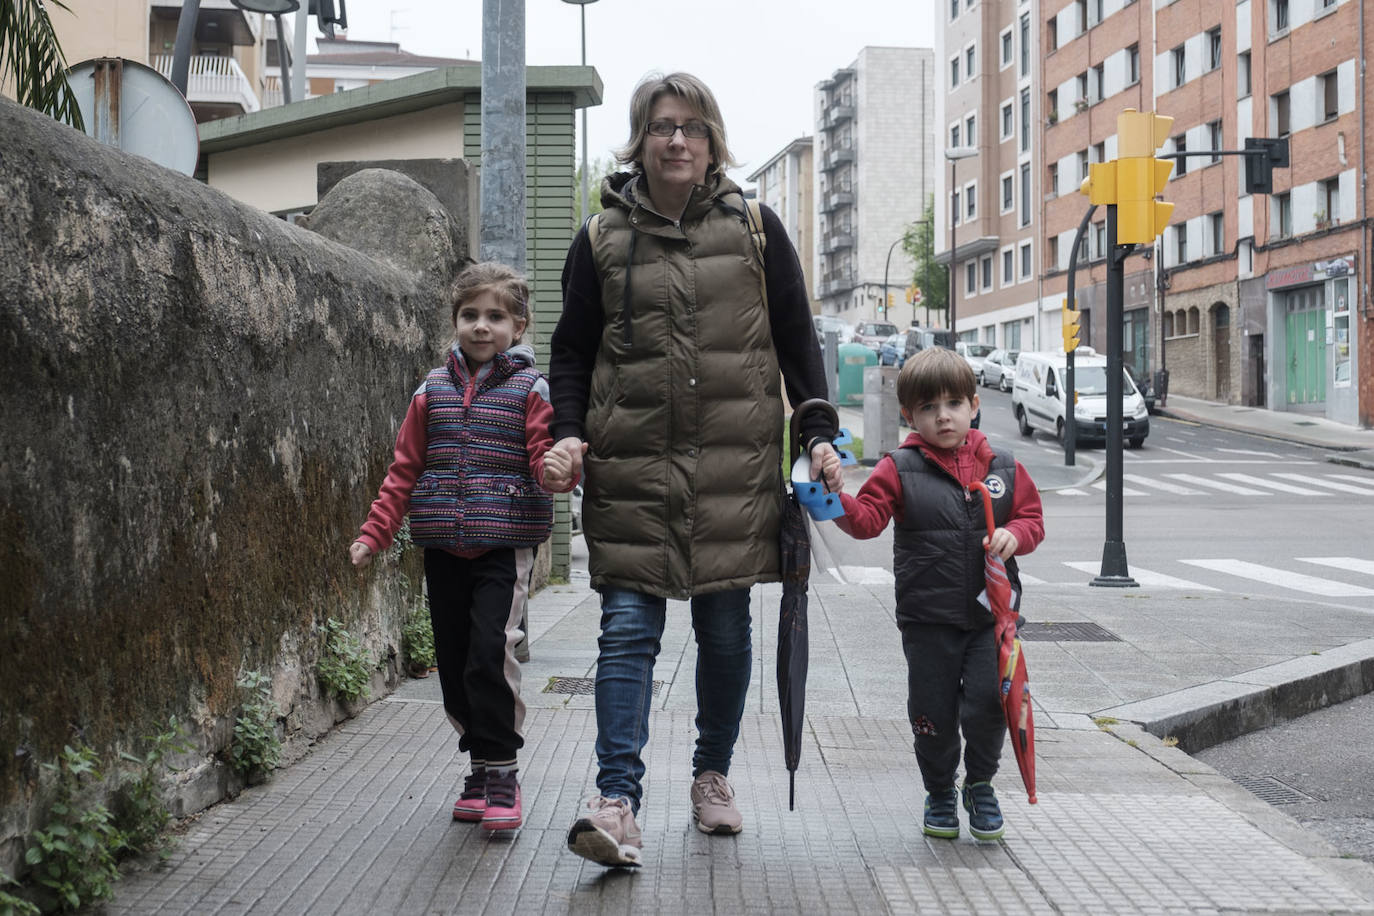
(505, 283)
(697, 96)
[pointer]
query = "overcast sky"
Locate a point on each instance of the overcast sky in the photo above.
(762, 58)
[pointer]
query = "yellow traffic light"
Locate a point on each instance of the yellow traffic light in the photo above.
(1071, 319)
(1139, 176)
(890, 300)
(1100, 185)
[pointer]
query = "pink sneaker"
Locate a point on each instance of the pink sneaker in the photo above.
(503, 803)
(472, 804)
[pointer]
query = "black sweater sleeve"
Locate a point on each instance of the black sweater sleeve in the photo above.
(576, 340)
(794, 334)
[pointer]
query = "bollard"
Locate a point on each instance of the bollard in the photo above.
(882, 433)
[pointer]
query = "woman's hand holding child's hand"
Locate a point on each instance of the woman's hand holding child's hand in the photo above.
(359, 553)
(825, 462)
(563, 464)
(1001, 542)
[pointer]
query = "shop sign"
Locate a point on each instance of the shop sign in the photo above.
(1315, 272)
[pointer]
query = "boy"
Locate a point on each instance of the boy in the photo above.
(938, 549)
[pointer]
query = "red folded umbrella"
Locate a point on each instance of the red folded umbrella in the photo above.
(1011, 661)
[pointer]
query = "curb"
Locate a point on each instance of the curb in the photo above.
(1186, 417)
(1211, 713)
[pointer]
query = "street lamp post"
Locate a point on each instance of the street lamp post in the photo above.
(582, 4)
(954, 154)
(886, 267)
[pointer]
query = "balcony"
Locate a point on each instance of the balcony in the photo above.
(836, 241)
(217, 22)
(835, 282)
(272, 96)
(837, 199)
(838, 114)
(838, 156)
(215, 86)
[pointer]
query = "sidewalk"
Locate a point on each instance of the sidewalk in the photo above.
(1351, 445)
(1125, 823)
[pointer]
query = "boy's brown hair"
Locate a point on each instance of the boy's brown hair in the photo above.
(933, 373)
(506, 284)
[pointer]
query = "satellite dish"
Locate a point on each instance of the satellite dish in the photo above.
(133, 107)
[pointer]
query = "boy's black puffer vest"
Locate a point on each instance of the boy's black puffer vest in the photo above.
(477, 491)
(937, 550)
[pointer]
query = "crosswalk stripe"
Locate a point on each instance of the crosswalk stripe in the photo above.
(1273, 484)
(1352, 478)
(1283, 578)
(861, 575)
(1028, 579)
(1218, 485)
(1354, 564)
(1329, 484)
(1073, 491)
(1125, 491)
(1147, 578)
(1161, 485)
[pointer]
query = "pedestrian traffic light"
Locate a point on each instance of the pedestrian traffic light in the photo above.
(1259, 165)
(1071, 319)
(1139, 176)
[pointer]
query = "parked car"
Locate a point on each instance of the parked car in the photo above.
(890, 353)
(999, 368)
(834, 323)
(1039, 400)
(924, 338)
(974, 354)
(872, 333)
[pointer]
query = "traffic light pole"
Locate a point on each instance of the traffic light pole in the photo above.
(1114, 572)
(1070, 426)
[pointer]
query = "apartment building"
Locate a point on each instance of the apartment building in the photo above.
(874, 173)
(988, 212)
(1256, 299)
(785, 184)
(341, 64)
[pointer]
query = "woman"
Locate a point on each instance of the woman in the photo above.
(664, 373)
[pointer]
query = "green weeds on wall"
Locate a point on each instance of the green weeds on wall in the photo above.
(343, 669)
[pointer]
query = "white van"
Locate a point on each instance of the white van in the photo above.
(1038, 399)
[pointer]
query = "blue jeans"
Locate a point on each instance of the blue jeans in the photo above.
(631, 630)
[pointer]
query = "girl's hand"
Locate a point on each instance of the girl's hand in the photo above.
(1001, 542)
(563, 463)
(359, 553)
(826, 463)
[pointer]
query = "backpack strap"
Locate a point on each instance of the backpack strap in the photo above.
(593, 226)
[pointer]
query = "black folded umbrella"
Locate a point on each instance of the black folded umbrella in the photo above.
(794, 539)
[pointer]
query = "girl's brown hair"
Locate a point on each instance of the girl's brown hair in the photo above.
(506, 284)
(698, 97)
(933, 373)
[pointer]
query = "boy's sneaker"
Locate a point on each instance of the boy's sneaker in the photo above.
(984, 814)
(608, 835)
(713, 804)
(942, 814)
(472, 804)
(503, 802)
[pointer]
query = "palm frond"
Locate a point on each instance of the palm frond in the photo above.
(32, 57)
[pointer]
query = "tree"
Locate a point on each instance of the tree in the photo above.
(31, 59)
(598, 169)
(933, 279)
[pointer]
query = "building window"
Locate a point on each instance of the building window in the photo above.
(1098, 82)
(1331, 96)
(1025, 44)
(1214, 134)
(1133, 64)
(1082, 165)
(970, 278)
(1331, 193)
(1007, 51)
(954, 205)
(953, 72)
(1025, 260)
(1081, 82)
(1243, 74)
(1181, 240)
(1025, 121)
(1011, 335)
(1052, 105)
(1279, 8)
(1008, 267)
(1094, 12)
(1180, 68)
(1081, 7)
(1054, 179)
(986, 264)
(971, 130)
(970, 68)
(1218, 233)
(971, 200)
(1097, 247)
(1214, 48)
(1052, 252)
(1283, 215)
(1008, 121)
(1181, 163)
(953, 9)
(1099, 152)
(1280, 109)
(954, 135)
(1052, 33)
(1025, 194)
(1008, 193)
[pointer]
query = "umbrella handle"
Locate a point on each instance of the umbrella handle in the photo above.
(987, 505)
(804, 408)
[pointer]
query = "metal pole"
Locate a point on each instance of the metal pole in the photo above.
(886, 267)
(181, 51)
(586, 179)
(502, 194)
(1114, 572)
(298, 52)
(1070, 427)
(281, 60)
(952, 215)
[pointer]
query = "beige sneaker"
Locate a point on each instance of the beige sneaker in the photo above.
(608, 835)
(713, 804)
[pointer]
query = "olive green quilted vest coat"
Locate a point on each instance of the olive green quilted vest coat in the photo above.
(683, 482)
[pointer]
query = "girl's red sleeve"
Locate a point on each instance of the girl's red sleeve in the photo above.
(538, 438)
(879, 501)
(393, 500)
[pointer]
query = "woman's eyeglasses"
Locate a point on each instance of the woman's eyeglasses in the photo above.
(693, 130)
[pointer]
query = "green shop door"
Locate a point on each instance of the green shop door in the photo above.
(1305, 332)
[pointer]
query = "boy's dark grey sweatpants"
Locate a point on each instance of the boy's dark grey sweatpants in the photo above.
(953, 683)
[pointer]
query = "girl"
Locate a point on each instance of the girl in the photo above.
(469, 466)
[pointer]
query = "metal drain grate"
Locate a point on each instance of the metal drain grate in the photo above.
(580, 686)
(1271, 790)
(1072, 631)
